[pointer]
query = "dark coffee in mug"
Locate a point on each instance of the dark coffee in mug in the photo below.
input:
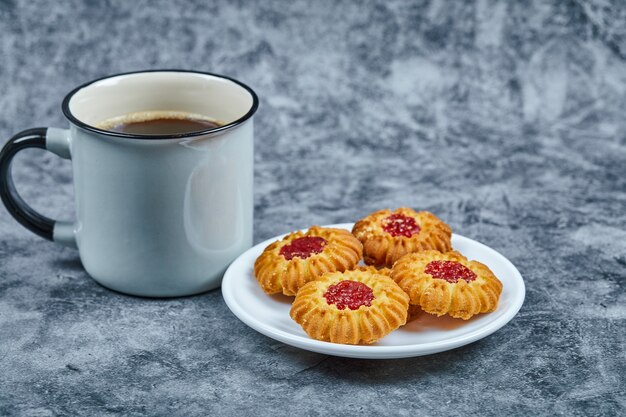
(158, 122)
(155, 218)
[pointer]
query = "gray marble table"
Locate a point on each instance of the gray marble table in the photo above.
(507, 119)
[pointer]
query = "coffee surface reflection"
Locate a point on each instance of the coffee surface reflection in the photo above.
(153, 123)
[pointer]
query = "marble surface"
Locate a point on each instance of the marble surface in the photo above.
(507, 119)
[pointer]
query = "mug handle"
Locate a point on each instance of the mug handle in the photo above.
(55, 140)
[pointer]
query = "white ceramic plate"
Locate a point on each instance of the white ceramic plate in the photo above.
(425, 335)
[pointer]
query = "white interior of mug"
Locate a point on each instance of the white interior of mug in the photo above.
(218, 98)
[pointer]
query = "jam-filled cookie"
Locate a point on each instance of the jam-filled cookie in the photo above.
(414, 310)
(353, 307)
(387, 236)
(447, 283)
(288, 264)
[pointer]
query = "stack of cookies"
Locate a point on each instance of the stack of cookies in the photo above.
(411, 267)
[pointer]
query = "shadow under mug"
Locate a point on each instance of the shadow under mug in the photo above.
(156, 216)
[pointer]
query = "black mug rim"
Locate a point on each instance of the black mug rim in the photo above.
(74, 120)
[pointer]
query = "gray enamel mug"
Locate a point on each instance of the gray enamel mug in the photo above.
(160, 215)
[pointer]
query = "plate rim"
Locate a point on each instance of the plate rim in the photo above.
(368, 351)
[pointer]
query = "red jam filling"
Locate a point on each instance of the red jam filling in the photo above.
(303, 247)
(351, 294)
(400, 225)
(449, 271)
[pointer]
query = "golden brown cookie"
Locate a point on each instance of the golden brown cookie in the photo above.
(369, 268)
(387, 236)
(414, 311)
(353, 307)
(288, 264)
(447, 283)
